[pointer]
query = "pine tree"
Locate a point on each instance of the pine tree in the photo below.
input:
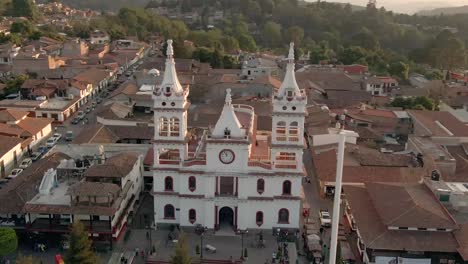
(80, 246)
(181, 252)
(8, 241)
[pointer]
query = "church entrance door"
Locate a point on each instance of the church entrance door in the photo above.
(226, 218)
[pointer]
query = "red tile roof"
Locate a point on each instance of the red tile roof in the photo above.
(374, 233)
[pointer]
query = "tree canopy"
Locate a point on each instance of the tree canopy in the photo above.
(8, 241)
(80, 246)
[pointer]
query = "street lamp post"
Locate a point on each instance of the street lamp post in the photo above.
(202, 234)
(337, 198)
(242, 233)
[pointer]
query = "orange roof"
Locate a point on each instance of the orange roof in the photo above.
(12, 115)
(34, 125)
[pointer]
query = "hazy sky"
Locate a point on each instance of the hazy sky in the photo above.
(407, 6)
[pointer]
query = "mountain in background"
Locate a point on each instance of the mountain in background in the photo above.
(445, 11)
(405, 6)
(103, 5)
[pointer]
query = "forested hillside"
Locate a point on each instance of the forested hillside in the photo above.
(445, 11)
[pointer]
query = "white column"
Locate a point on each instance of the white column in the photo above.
(337, 199)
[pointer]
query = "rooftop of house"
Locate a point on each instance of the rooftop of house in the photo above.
(112, 134)
(439, 123)
(33, 125)
(92, 76)
(116, 166)
(363, 165)
(58, 103)
(8, 143)
(378, 206)
(44, 83)
(10, 115)
(23, 188)
(21, 104)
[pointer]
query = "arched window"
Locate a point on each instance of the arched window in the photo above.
(174, 126)
(169, 212)
(286, 188)
(227, 132)
(163, 126)
(192, 216)
(283, 216)
(281, 131)
(192, 183)
(294, 131)
(168, 184)
(260, 186)
(259, 218)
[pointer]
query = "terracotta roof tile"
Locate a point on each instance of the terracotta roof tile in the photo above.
(435, 122)
(376, 235)
(116, 166)
(9, 115)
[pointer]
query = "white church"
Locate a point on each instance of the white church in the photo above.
(229, 176)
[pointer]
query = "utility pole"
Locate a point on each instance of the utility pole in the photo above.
(337, 198)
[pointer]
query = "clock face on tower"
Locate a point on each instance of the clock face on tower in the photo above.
(226, 156)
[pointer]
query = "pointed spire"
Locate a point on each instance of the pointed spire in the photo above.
(169, 50)
(228, 97)
(228, 120)
(170, 75)
(291, 53)
(289, 82)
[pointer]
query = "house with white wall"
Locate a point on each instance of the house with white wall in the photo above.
(98, 191)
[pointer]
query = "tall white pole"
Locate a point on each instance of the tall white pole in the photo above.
(337, 200)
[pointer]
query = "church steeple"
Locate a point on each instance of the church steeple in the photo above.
(228, 125)
(289, 87)
(170, 83)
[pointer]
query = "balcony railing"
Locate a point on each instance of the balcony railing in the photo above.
(260, 164)
(169, 162)
(286, 166)
(189, 163)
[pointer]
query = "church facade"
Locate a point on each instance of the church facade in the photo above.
(229, 176)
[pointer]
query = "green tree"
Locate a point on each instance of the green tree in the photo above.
(246, 42)
(294, 34)
(272, 34)
(230, 43)
(24, 8)
(353, 54)
(181, 252)
(21, 27)
(8, 241)
(216, 59)
(80, 246)
(399, 69)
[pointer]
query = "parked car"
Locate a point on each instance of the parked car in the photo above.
(69, 136)
(25, 163)
(98, 100)
(325, 219)
(51, 142)
(43, 149)
(88, 109)
(75, 121)
(93, 105)
(3, 182)
(36, 155)
(14, 173)
(58, 136)
(81, 115)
